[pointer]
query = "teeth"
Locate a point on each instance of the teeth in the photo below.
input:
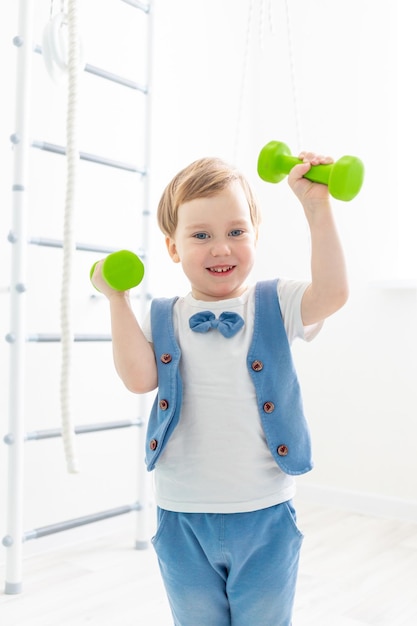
(220, 270)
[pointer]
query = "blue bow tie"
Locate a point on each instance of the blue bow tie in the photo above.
(227, 323)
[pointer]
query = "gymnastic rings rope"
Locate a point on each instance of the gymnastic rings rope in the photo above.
(265, 18)
(62, 55)
(293, 77)
(243, 83)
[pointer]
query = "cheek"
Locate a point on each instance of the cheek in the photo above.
(188, 255)
(250, 249)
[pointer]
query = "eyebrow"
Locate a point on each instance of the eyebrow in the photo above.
(197, 226)
(205, 225)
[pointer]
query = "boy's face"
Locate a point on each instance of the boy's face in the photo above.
(215, 242)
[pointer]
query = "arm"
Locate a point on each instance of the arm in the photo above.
(329, 289)
(132, 353)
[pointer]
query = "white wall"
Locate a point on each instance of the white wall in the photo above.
(359, 375)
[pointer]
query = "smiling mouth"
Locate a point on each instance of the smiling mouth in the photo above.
(221, 270)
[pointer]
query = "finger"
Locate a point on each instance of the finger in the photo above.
(307, 155)
(324, 160)
(314, 158)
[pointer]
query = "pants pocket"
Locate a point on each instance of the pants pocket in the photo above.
(162, 516)
(292, 515)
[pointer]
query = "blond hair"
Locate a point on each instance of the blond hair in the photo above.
(201, 179)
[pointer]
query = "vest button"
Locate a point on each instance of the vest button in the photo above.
(282, 450)
(163, 405)
(153, 444)
(257, 366)
(166, 358)
(269, 407)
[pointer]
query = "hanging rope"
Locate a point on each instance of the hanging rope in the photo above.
(293, 80)
(264, 23)
(72, 160)
(243, 82)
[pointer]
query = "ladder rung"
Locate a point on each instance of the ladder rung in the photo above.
(51, 433)
(138, 5)
(55, 337)
(57, 243)
(43, 531)
(86, 156)
(115, 78)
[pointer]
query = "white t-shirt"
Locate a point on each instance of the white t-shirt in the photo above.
(217, 459)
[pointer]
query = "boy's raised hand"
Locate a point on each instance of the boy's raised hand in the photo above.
(305, 190)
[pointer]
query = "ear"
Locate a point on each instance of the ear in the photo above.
(172, 249)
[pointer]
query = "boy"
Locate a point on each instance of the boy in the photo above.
(227, 433)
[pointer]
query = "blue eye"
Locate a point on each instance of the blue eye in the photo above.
(236, 232)
(201, 235)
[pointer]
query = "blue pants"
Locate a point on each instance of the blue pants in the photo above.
(234, 569)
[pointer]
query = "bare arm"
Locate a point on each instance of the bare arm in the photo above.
(329, 289)
(133, 355)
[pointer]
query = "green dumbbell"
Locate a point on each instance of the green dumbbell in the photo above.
(344, 177)
(122, 270)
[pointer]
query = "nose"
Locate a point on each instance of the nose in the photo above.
(220, 248)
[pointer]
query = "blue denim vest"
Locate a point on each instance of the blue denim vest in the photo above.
(270, 366)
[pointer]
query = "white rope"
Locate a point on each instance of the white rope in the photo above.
(72, 160)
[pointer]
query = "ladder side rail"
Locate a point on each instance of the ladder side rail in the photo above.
(15, 478)
(143, 522)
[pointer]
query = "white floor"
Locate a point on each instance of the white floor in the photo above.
(355, 571)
